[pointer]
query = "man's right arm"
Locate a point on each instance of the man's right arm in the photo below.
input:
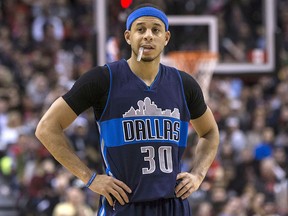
(50, 131)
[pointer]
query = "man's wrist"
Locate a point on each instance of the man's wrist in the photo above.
(91, 180)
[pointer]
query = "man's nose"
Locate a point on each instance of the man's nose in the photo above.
(148, 34)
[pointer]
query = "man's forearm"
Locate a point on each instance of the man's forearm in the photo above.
(205, 153)
(57, 144)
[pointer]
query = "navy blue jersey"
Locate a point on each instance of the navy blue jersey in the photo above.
(144, 131)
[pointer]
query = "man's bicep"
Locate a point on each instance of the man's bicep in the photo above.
(205, 123)
(60, 113)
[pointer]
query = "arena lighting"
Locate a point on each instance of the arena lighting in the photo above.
(126, 3)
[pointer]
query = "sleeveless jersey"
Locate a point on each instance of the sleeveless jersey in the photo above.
(143, 131)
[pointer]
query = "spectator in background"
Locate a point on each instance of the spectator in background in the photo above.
(233, 136)
(64, 209)
(112, 49)
(254, 134)
(4, 105)
(79, 137)
(76, 197)
(47, 24)
(281, 158)
(265, 147)
(234, 207)
(271, 175)
(245, 172)
(12, 130)
(204, 209)
(38, 89)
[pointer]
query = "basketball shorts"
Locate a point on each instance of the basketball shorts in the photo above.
(163, 207)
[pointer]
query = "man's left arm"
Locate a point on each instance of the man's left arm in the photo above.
(206, 149)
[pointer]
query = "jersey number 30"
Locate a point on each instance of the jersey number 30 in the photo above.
(164, 155)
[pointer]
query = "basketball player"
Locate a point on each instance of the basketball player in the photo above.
(142, 109)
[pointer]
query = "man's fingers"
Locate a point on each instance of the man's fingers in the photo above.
(118, 190)
(109, 198)
(120, 195)
(123, 185)
(117, 196)
(181, 175)
(186, 185)
(182, 188)
(181, 184)
(186, 195)
(113, 189)
(185, 191)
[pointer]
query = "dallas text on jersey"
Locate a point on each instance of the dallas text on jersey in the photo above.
(147, 129)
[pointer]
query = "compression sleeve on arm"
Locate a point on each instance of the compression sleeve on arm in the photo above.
(194, 95)
(91, 89)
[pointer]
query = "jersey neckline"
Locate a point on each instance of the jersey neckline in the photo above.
(141, 82)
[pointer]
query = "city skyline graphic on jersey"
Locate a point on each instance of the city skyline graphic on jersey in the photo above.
(147, 107)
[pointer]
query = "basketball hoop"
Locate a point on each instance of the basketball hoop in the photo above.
(199, 64)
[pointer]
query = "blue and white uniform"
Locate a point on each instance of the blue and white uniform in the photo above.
(143, 133)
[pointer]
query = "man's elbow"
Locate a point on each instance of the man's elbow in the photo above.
(213, 135)
(216, 136)
(215, 130)
(42, 130)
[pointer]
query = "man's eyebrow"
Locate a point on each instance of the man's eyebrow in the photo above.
(143, 23)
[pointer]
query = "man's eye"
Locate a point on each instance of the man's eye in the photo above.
(156, 30)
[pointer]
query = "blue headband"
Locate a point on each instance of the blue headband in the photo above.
(146, 11)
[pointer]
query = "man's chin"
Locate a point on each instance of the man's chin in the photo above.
(148, 59)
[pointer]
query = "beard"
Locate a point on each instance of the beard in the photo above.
(148, 59)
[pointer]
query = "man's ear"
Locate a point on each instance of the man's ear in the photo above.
(167, 37)
(127, 37)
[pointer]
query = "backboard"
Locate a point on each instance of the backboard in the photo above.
(203, 32)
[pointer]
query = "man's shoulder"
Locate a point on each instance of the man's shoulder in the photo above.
(184, 75)
(94, 74)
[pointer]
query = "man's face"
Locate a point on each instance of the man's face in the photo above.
(149, 33)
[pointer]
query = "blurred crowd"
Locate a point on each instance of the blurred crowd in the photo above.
(45, 45)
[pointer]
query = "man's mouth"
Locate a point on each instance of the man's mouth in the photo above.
(148, 47)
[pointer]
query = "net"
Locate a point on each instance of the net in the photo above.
(199, 64)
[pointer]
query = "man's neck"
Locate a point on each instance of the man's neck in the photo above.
(146, 71)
